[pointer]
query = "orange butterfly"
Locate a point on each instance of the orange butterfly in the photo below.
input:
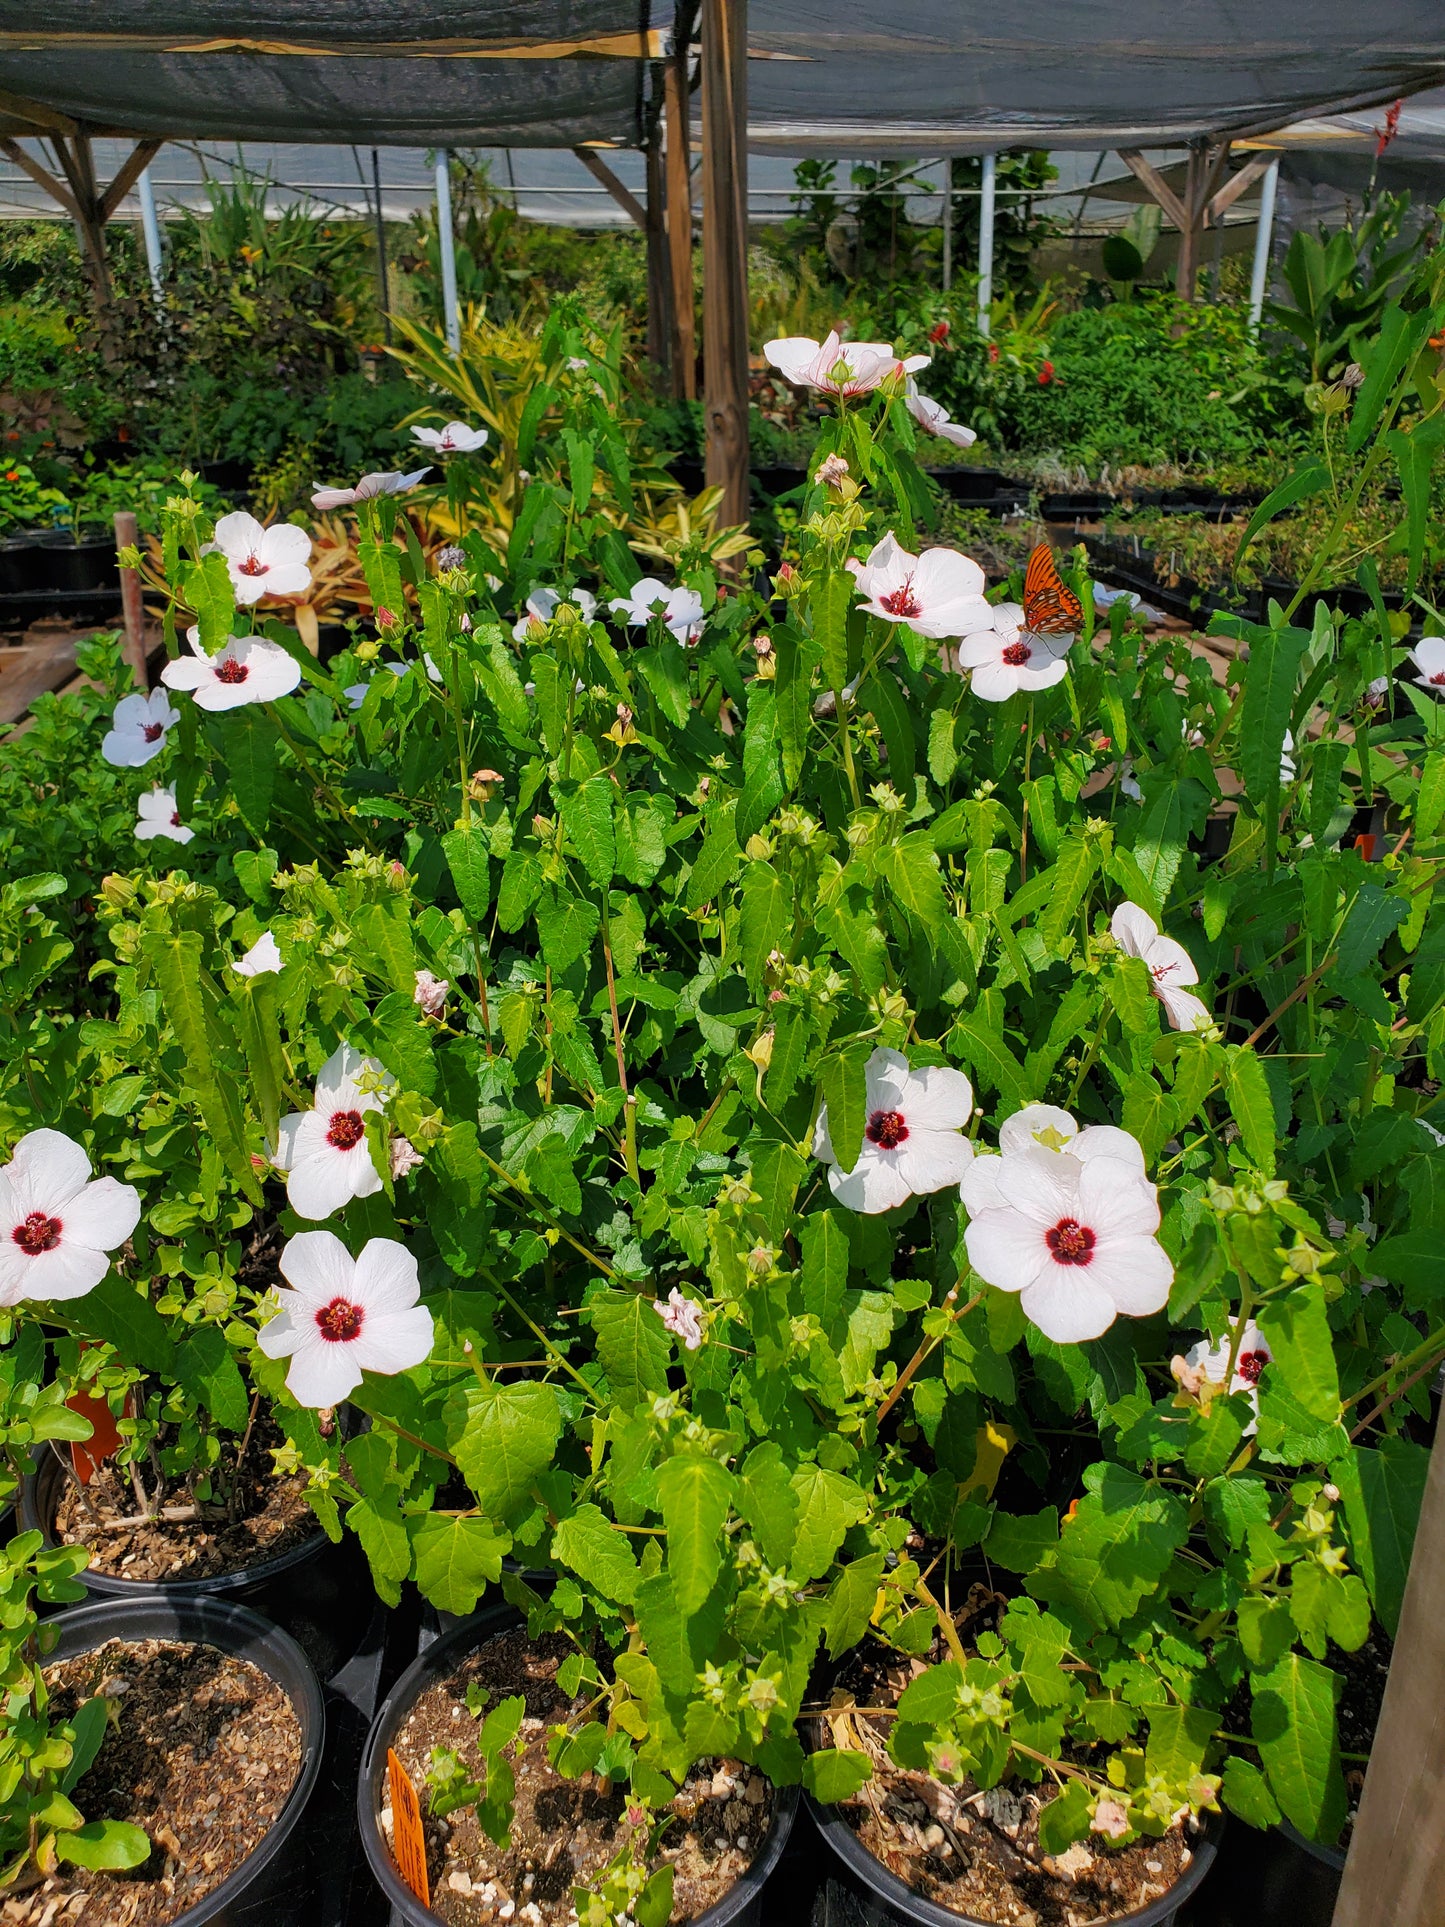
(1050, 608)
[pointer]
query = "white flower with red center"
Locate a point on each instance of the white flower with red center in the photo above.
(1205, 1361)
(344, 1316)
(1169, 964)
(324, 1151)
(455, 439)
(263, 561)
(431, 993)
(1072, 1232)
(837, 367)
(138, 727)
(1044, 1127)
(1428, 656)
(248, 669)
(380, 482)
(157, 815)
(679, 608)
(1005, 656)
(681, 1317)
(934, 419)
(543, 604)
(58, 1225)
(938, 593)
(261, 960)
(913, 1138)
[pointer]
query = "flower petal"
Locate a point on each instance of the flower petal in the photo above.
(1068, 1305)
(928, 1160)
(937, 1098)
(102, 1216)
(1133, 929)
(385, 1278)
(874, 1184)
(1134, 1271)
(69, 1271)
(322, 1373)
(318, 1267)
(1041, 1185)
(1115, 1198)
(46, 1170)
(394, 1341)
(1020, 1132)
(1005, 1249)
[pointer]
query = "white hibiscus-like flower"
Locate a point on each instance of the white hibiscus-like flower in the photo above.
(380, 482)
(263, 561)
(355, 692)
(543, 604)
(1428, 656)
(1044, 1127)
(157, 815)
(1005, 656)
(248, 669)
(455, 439)
(913, 1138)
(1071, 1231)
(934, 419)
(344, 1316)
(1205, 1361)
(1169, 965)
(938, 593)
(138, 727)
(680, 608)
(681, 1317)
(261, 960)
(837, 367)
(58, 1225)
(324, 1150)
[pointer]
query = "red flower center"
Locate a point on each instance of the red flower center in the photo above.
(1160, 971)
(1250, 1365)
(887, 1130)
(347, 1130)
(253, 565)
(40, 1232)
(1439, 677)
(1071, 1243)
(340, 1321)
(175, 819)
(901, 602)
(152, 732)
(1017, 654)
(229, 669)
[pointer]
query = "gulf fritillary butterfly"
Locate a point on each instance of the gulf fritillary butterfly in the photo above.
(1050, 608)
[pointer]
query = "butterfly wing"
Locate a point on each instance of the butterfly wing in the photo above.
(1050, 607)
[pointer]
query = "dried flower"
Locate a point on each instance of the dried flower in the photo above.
(831, 471)
(431, 993)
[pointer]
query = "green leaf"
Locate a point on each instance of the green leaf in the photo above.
(767, 1501)
(250, 748)
(1305, 482)
(497, 673)
(830, 598)
(1382, 1488)
(1370, 920)
(1430, 798)
(1115, 1549)
(664, 670)
(118, 1314)
(1297, 1327)
(880, 695)
(1271, 677)
(717, 861)
(1247, 1090)
(566, 926)
(1397, 340)
(104, 1845)
(508, 1436)
(845, 1094)
(766, 918)
(695, 1496)
(191, 1001)
(205, 1365)
(836, 1773)
(1246, 1792)
(850, 1602)
(1069, 879)
(550, 1166)
(777, 1171)
(793, 684)
(987, 1056)
(257, 1004)
(598, 1554)
(1163, 831)
(377, 1522)
(586, 815)
(383, 931)
(828, 1503)
(1066, 1818)
(208, 590)
(1293, 1724)
(653, 1906)
(465, 848)
(911, 871)
(457, 1559)
(632, 1344)
(1018, 1541)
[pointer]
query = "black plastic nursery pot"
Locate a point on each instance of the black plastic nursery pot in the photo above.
(320, 1593)
(276, 1870)
(861, 1892)
(1275, 1878)
(741, 1906)
(87, 565)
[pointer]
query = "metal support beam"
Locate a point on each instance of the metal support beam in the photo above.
(447, 250)
(151, 229)
(985, 244)
(725, 250)
(1263, 241)
(948, 224)
(625, 199)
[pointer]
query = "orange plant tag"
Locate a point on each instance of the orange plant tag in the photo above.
(408, 1842)
(88, 1455)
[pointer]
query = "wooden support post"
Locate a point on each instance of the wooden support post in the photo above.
(679, 226)
(1395, 1873)
(624, 197)
(127, 536)
(725, 251)
(1204, 199)
(661, 333)
(82, 200)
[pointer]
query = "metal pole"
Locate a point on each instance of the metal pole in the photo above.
(151, 229)
(985, 244)
(1264, 235)
(451, 314)
(948, 224)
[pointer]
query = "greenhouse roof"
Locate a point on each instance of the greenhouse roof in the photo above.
(946, 76)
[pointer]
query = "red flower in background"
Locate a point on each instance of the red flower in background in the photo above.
(938, 332)
(993, 351)
(1387, 133)
(1046, 374)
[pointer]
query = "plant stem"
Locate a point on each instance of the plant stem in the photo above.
(924, 1352)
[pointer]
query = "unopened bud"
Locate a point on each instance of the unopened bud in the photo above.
(761, 1049)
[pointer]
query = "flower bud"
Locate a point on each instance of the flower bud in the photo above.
(118, 891)
(761, 1049)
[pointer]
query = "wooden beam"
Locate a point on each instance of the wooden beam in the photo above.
(1213, 167)
(1236, 185)
(1395, 1873)
(725, 250)
(127, 536)
(600, 171)
(1158, 187)
(134, 165)
(49, 120)
(661, 334)
(13, 151)
(679, 225)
